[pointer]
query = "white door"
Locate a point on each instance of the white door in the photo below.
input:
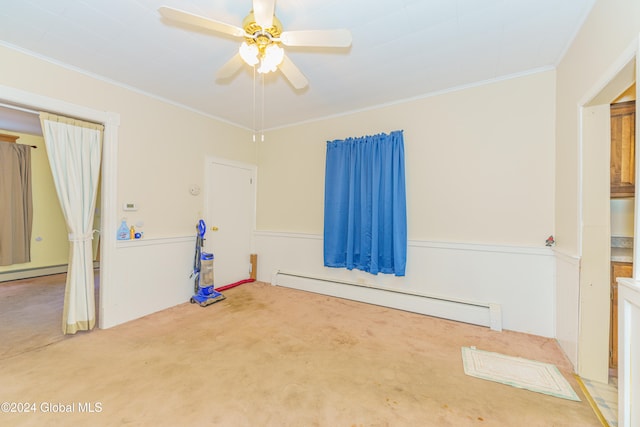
(230, 218)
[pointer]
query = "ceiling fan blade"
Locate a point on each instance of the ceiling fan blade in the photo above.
(200, 21)
(317, 38)
(263, 11)
(293, 73)
(230, 67)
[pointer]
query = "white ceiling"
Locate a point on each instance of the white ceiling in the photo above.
(401, 49)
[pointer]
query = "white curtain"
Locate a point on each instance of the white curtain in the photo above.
(74, 149)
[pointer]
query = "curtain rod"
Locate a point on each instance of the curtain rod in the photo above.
(26, 145)
(15, 107)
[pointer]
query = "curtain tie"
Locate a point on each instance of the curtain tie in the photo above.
(81, 237)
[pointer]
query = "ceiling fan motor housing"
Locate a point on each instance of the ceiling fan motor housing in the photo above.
(262, 37)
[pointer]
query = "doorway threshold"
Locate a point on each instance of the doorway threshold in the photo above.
(603, 398)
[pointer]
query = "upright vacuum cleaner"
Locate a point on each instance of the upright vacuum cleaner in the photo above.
(203, 271)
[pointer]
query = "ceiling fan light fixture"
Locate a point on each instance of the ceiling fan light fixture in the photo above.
(263, 40)
(272, 57)
(249, 53)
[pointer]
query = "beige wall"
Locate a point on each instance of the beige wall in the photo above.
(161, 148)
(479, 164)
(48, 222)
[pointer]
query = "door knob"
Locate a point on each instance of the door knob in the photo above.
(214, 228)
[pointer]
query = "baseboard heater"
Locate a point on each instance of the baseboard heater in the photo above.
(473, 312)
(28, 273)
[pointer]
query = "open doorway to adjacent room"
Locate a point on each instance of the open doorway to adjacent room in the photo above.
(33, 293)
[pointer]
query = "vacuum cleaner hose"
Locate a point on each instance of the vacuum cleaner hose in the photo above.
(233, 285)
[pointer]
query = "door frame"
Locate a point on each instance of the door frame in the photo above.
(597, 368)
(109, 172)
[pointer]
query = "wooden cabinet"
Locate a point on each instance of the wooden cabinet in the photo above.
(623, 139)
(618, 269)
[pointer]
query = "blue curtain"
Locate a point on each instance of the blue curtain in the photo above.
(365, 213)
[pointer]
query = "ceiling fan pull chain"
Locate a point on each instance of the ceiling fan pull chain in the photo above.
(262, 124)
(254, 104)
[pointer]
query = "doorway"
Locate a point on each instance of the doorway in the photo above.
(595, 270)
(32, 293)
(622, 205)
(108, 221)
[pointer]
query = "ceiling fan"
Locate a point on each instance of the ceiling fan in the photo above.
(263, 39)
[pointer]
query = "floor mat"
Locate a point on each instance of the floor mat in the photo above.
(517, 372)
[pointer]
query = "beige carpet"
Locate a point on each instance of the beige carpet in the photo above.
(30, 313)
(269, 356)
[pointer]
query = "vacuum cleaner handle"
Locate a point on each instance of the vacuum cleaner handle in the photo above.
(202, 228)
